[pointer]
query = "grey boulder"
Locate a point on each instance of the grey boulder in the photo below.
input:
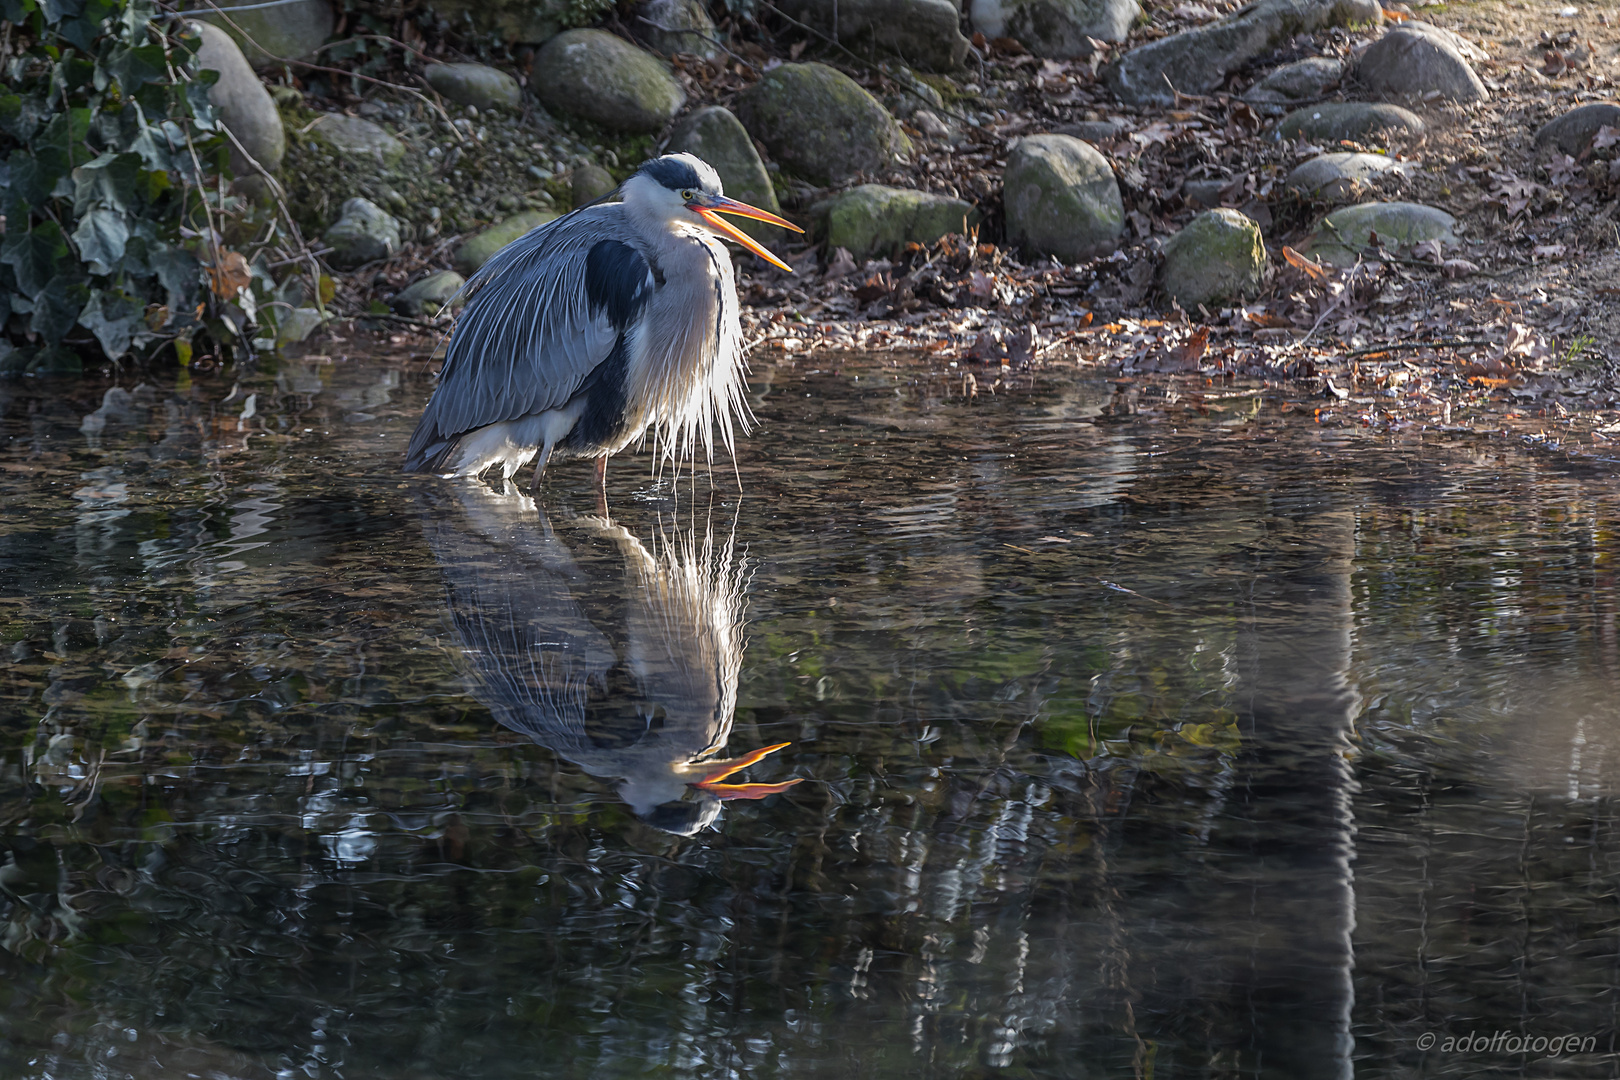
(478, 85)
(428, 296)
(267, 35)
(364, 233)
(476, 251)
(1338, 176)
(1354, 120)
(358, 141)
(1197, 60)
(1061, 198)
(1573, 132)
(244, 105)
(598, 77)
(873, 219)
(1346, 235)
(1407, 63)
(819, 123)
(924, 32)
(1057, 29)
(1303, 80)
(675, 26)
(590, 182)
(718, 137)
(1219, 257)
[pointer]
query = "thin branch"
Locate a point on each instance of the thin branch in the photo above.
(280, 196)
(1449, 343)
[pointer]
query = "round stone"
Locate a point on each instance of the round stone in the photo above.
(1219, 257)
(1337, 176)
(1353, 120)
(598, 77)
(819, 123)
(1061, 198)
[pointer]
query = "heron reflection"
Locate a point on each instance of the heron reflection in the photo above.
(619, 658)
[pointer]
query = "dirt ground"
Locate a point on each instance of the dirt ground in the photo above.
(1517, 335)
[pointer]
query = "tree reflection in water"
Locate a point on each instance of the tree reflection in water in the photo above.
(1073, 702)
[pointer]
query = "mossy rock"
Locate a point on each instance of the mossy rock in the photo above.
(428, 296)
(292, 30)
(1219, 257)
(365, 233)
(1353, 120)
(1345, 235)
(1061, 198)
(819, 123)
(360, 141)
(589, 183)
(877, 220)
(478, 85)
(1338, 176)
(597, 77)
(475, 252)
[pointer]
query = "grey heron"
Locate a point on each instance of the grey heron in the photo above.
(587, 331)
(620, 659)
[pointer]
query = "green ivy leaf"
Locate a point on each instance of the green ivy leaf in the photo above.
(151, 144)
(136, 16)
(178, 272)
(17, 11)
(33, 254)
(112, 180)
(57, 10)
(66, 133)
(136, 65)
(20, 117)
(34, 176)
(101, 236)
(113, 318)
(202, 110)
(74, 72)
(57, 307)
(80, 31)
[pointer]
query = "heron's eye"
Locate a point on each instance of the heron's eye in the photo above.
(688, 194)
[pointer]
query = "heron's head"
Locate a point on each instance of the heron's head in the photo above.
(682, 187)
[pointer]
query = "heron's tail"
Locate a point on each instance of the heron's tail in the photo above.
(429, 450)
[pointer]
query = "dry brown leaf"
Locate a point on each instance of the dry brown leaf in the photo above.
(1312, 269)
(230, 275)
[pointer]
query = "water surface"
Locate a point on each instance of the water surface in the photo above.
(1205, 743)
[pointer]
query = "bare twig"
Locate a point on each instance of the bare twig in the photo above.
(1403, 346)
(280, 193)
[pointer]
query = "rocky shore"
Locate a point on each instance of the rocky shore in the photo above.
(1271, 192)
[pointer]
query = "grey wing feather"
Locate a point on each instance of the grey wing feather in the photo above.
(527, 338)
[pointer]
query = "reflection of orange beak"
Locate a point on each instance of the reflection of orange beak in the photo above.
(713, 786)
(719, 204)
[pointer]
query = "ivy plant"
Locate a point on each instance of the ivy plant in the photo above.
(112, 168)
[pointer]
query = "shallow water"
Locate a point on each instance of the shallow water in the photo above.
(1216, 744)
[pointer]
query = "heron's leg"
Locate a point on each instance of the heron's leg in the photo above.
(601, 485)
(540, 466)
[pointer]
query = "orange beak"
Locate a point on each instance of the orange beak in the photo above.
(715, 205)
(713, 786)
